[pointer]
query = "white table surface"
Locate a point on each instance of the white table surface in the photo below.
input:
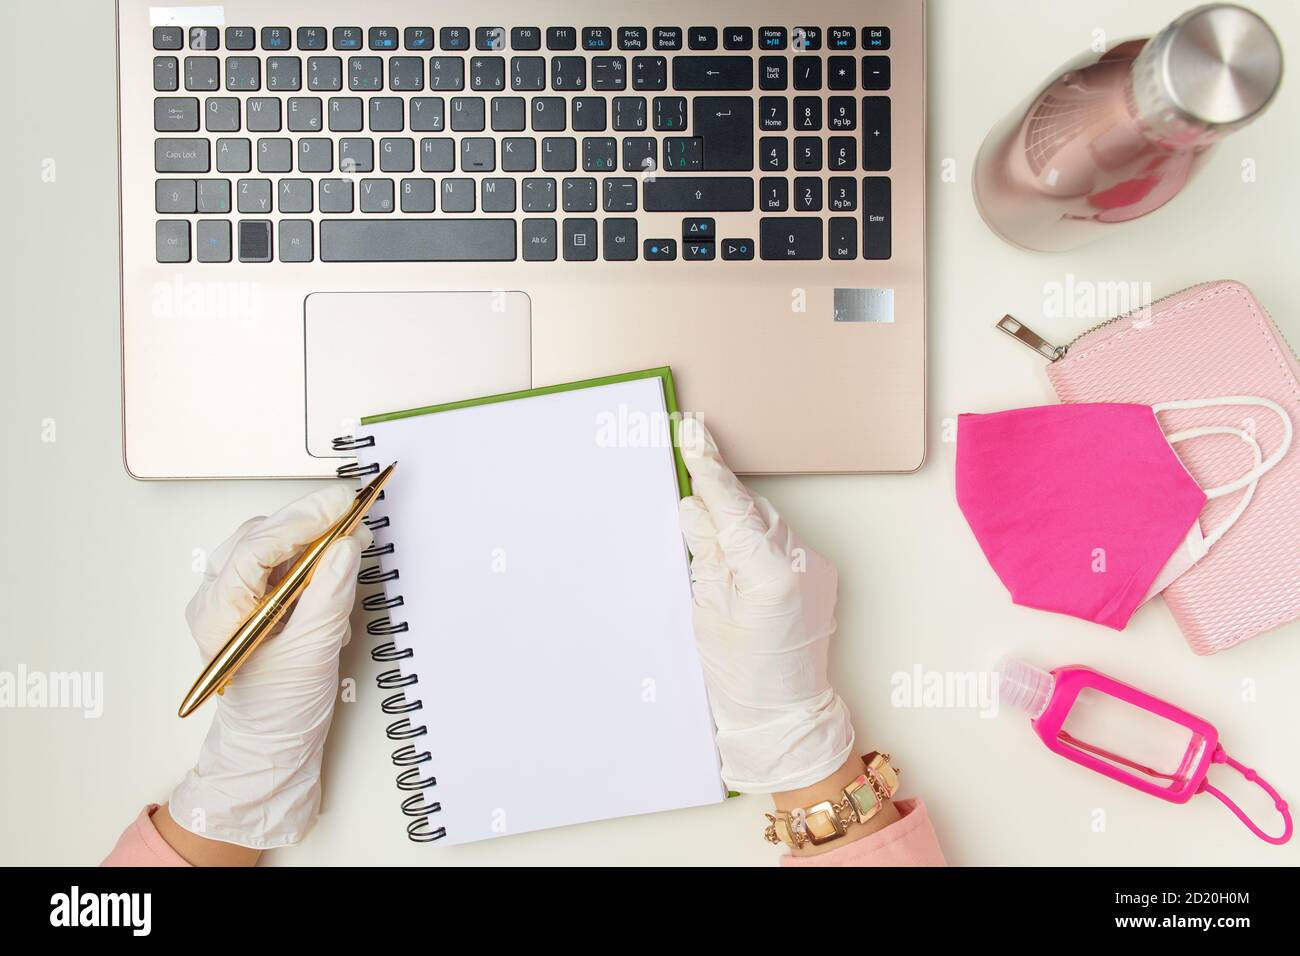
(97, 568)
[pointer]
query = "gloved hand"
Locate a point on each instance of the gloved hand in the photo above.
(764, 616)
(257, 782)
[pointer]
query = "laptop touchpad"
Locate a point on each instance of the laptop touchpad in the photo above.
(373, 352)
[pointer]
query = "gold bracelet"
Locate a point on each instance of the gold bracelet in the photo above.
(823, 822)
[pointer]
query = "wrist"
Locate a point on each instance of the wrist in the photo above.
(831, 790)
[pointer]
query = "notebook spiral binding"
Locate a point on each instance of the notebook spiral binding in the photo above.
(413, 778)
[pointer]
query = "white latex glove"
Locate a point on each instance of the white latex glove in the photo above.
(257, 782)
(764, 616)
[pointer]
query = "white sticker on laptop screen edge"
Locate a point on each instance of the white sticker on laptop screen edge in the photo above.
(209, 16)
(864, 305)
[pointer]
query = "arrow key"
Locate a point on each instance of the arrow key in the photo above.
(699, 229)
(738, 249)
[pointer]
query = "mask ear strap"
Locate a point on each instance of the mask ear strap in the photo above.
(1259, 470)
(1220, 756)
(1212, 538)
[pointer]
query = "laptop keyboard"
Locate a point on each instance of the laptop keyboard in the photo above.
(495, 144)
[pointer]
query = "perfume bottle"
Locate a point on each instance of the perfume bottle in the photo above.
(1127, 735)
(1116, 135)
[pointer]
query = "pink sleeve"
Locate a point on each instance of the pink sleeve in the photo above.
(907, 842)
(140, 845)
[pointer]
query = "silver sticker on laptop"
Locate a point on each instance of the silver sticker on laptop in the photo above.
(864, 305)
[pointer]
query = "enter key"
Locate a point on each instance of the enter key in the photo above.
(726, 124)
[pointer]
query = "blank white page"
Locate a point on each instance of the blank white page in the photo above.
(547, 590)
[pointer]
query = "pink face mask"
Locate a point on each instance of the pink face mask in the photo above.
(1086, 509)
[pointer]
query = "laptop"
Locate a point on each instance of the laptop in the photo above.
(330, 209)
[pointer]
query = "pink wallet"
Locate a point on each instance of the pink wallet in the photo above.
(1211, 340)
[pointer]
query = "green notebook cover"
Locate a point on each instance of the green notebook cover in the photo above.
(665, 374)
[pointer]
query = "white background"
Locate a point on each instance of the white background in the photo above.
(97, 567)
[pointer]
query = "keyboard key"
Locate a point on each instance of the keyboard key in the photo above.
(808, 194)
(875, 134)
(468, 114)
(205, 38)
(376, 195)
(773, 73)
(202, 73)
(234, 155)
(295, 240)
(619, 239)
(274, 155)
(539, 240)
(807, 116)
(405, 74)
(737, 249)
(263, 114)
(702, 38)
(487, 74)
(315, 155)
(875, 38)
(437, 154)
(579, 240)
(561, 38)
(875, 72)
(772, 38)
(667, 38)
(842, 38)
(527, 73)
(169, 38)
(490, 38)
(670, 113)
(698, 194)
(597, 38)
(808, 153)
(526, 38)
(774, 113)
(842, 194)
(497, 194)
(347, 38)
(568, 73)
(446, 73)
(539, 194)
(345, 114)
(683, 153)
(608, 73)
(629, 113)
(365, 72)
(212, 240)
(773, 194)
(790, 238)
(726, 125)
(806, 38)
(649, 73)
(842, 73)
(174, 197)
(176, 114)
(518, 155)
(254, 196)
(324, 73)
(619, 194)
(254, 240)
(418, 38)
(356, 155)
(427, 114)
(181, 156)
(738, 38)
(640, 154)
(240, 38)
(876, 218)
(510, 114)
(633, 38)
(382, 38)
(214, 196)
(547, 114)
(713, 72)
(172, 240)
(386, 114)
(396, 155)
(417, 240)
(807, 73)
(283, 73)
(454, 38)
(659, 250)
(458, 194)
(418, 195)
(842, 237)
(841, 113)
(277, 38)
(334, 195)
(305, 114)
(841, 154)
(579, 194)
(703, 229)
(221, 114)
(312, 38)
(243, 73)
(478, 154)
(588, 114)
(699, 251)
(559, 154)
(165, 74)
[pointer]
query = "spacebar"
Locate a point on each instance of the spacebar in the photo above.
(699, 194)
(417, 240)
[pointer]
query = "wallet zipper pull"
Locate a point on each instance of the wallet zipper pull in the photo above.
(1024, 334)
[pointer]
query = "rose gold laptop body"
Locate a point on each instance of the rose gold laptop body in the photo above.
(216, 382)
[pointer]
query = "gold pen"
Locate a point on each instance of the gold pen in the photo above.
(216, 676)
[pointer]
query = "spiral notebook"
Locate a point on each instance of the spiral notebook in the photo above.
(537, 610)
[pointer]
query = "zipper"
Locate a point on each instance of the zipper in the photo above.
(1054, 353)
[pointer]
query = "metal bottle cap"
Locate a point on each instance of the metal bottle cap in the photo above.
(1210, 72)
